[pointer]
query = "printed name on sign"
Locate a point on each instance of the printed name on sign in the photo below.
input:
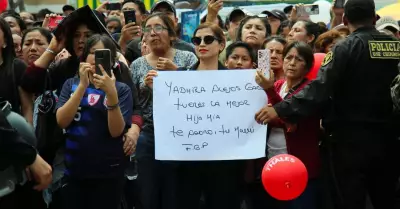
(199, 116)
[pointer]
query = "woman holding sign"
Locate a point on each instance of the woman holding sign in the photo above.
(156, 178)
(217, 181)
(300, 140)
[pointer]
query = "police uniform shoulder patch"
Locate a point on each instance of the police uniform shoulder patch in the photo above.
(384, 49)
(327, 59)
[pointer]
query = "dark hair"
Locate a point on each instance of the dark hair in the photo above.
(43, 12)
(107, 42)
(220, 21)
(166, 20)
(68, 7)
(8, 52)
(240, 44)
(44, 32)
(304, 50)
(246, 19)
(218, 32)
(139, 4)
(322, 27)
(284, 24)
(17, 18)
(312, 29)
(274, 38)
(325, 39)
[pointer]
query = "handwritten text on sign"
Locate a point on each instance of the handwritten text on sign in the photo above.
(208, 115)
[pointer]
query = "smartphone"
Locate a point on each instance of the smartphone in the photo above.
(103, 57)
(54, 21)
(339, 3)
(264, 61)
(311, 9)
(113, 6)
(130, 16)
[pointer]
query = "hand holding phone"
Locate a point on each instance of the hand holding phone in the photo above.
(103, 57)
(311, 9)
(113, 6)
(338, 3)
(130, 16)
(264, 61)
(54, 21)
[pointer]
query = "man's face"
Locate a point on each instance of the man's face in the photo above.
(233, 26)
(275, 23)
(164, 9)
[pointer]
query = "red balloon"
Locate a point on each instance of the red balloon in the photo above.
(3, 5)
(284, 177)
(318, 58)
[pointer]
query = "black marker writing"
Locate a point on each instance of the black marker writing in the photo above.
(200, 132)
(213, 117)
(224, 131)
(190, 104)
(184, 90)
(214, 104)
(194, 118)
(176, 132)
(242, 131)
(231, 104)
(227, 90)
(251, 87)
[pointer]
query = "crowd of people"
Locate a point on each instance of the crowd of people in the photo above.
(94, 126)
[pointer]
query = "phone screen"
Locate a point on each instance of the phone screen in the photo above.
(130, 16)
(54, 21)
(103, 57)
(114, 6)
(312, 9)
(339, 3)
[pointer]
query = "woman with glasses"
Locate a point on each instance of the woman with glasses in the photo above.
(217, 181)
(300, 140)
(156, 178)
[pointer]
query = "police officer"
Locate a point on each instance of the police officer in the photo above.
(17, 152)
(353, 93)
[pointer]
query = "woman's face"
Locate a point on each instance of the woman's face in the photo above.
(14, 26)
(299, 33)
(294, 66)
(207, 50)
(254, 32)
(17, 45)
(276, 50)
(91, 59)
(157, 37)
(81, 35)
(113, 26)
(35, 44)
(239, 59)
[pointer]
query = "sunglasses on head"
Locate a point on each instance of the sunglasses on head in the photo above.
(207, 40)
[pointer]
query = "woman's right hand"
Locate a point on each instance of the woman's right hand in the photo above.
(57, 45)
(84, 69)
(148, 80)
(46, 20)
(264, 82)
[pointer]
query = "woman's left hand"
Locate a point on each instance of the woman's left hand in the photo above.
(264, 82)
(105, 82)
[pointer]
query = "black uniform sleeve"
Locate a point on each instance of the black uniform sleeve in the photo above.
(310, 99)
(13, 149)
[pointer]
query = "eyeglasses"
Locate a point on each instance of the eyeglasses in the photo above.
(157, 29)
(207, 40)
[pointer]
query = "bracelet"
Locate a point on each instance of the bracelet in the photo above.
(112, 107)
(51, 51)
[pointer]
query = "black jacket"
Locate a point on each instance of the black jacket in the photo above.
(353, 85)
(14, 151)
